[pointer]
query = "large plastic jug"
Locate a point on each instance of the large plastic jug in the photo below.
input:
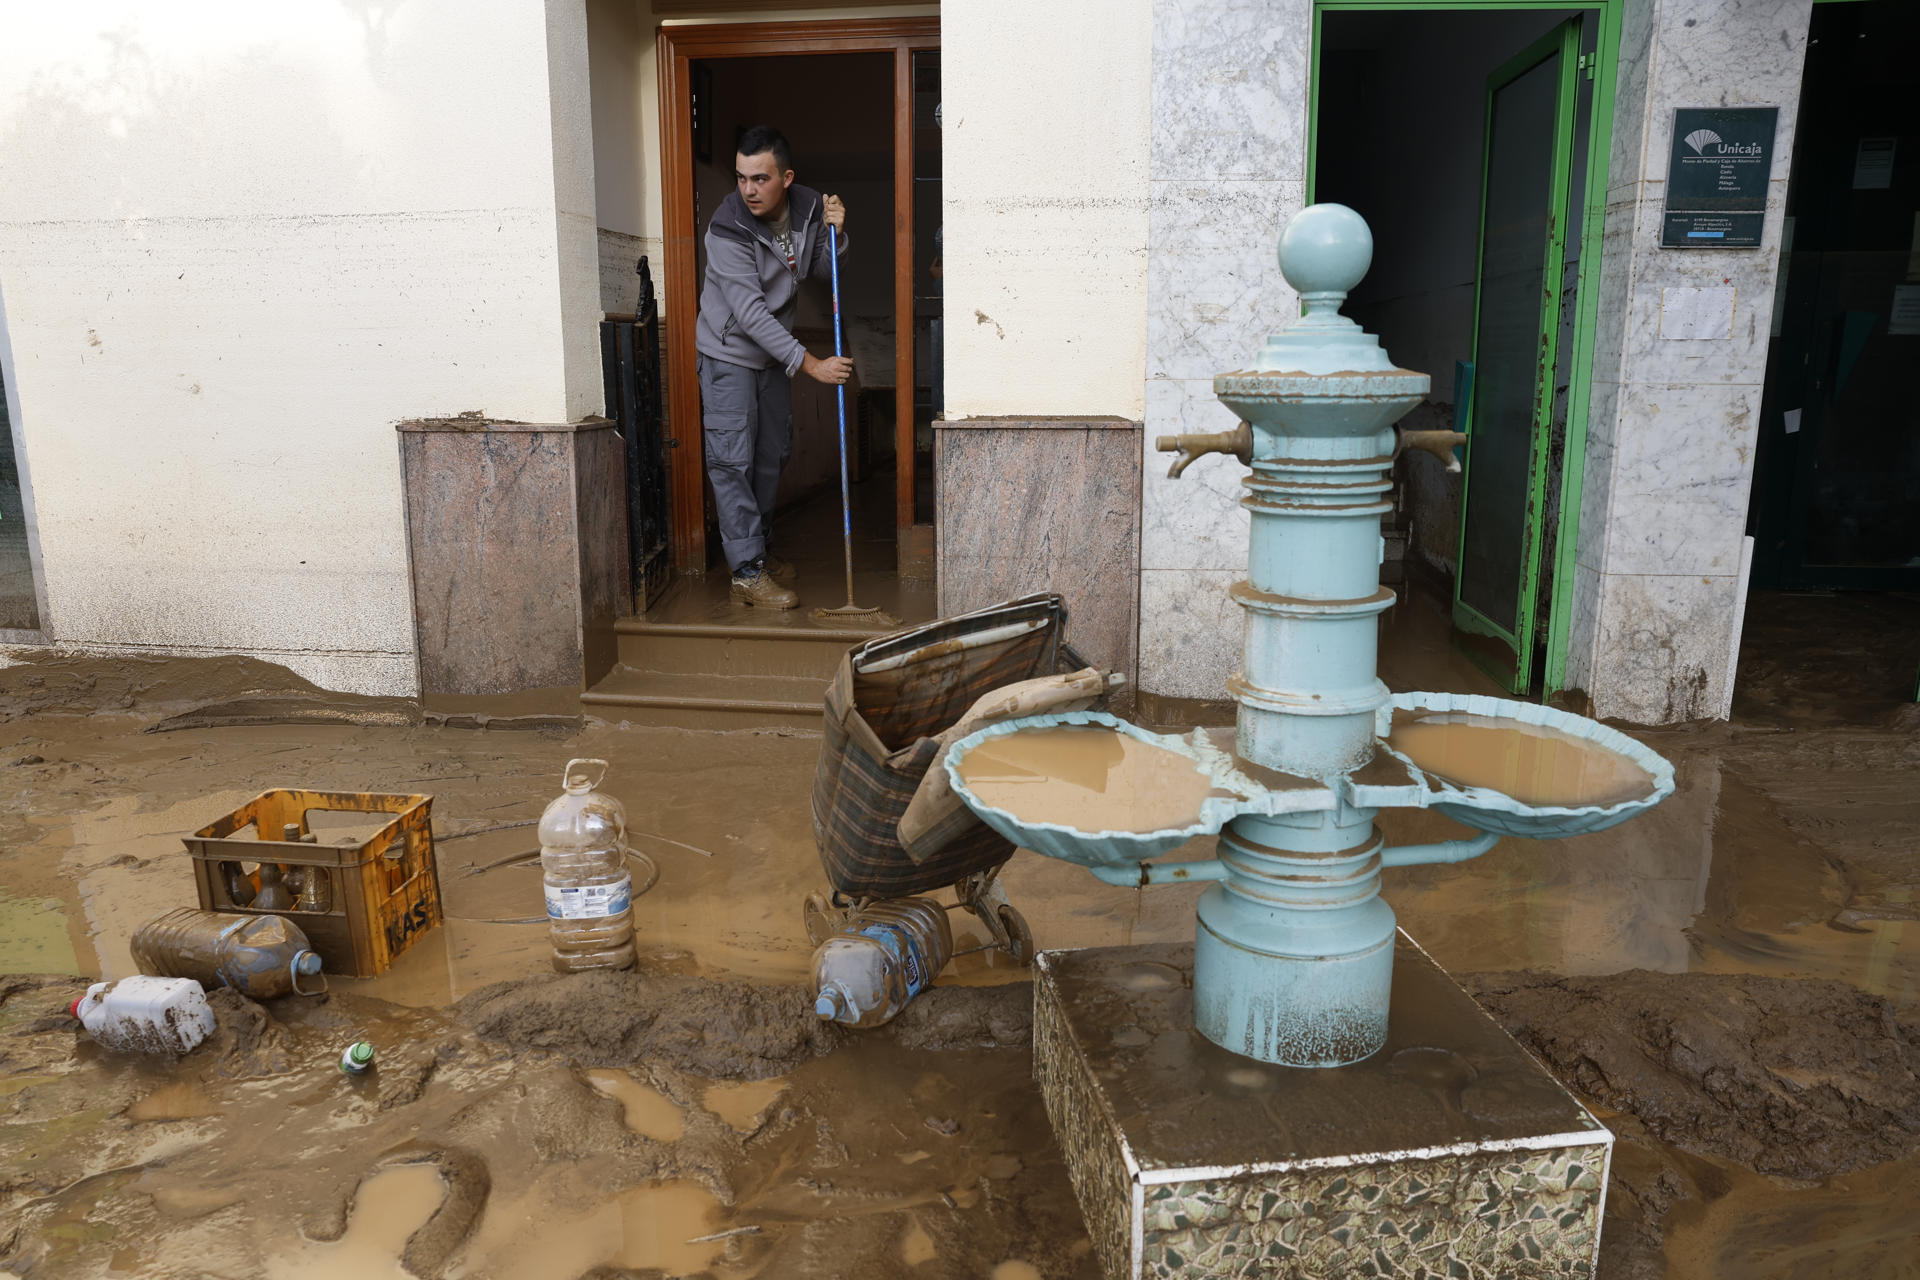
(583, 858)
(143, 1014)
(259, 956)
(884, 956)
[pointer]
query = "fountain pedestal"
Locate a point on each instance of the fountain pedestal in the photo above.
(1450, 1152)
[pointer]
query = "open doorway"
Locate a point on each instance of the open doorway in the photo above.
(1463, 137)
(858, 101)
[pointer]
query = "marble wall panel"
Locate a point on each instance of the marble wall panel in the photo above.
(1045, 505)
(1630, 91)
(1195, 522)
(1596, 483)
(1652, 354)
(1214, 289)
(1583, 627)
(493, 545)
(1671, 422)
(1191, 632)
(1681, 479)
(1617, 246)
(1732, 53)
(1661, 647)
(1230, 89)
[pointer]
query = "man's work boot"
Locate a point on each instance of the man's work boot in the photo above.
(753, 585)
(781, 571)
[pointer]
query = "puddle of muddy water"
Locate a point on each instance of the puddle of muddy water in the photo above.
(661, 1222)
(389, 1207)
(1535, 764)
(1093, 779)
(649, 1113)
(182, 1100)
(916, 1246)
(741, 1103)
(34, 938)
(1861, 1225)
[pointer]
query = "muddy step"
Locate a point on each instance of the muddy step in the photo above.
(784, 649)
(675, 699)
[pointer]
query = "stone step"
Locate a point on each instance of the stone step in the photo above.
(683, 700)
(730, 649)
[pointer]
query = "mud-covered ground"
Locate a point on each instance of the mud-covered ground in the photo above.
(1730, 982)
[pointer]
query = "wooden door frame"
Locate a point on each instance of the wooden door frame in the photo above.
(678, 48)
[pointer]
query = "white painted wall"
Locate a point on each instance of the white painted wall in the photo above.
(1046, 137)
(238, 242)
(626, 147)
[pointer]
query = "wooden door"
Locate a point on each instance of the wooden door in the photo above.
(679, 47)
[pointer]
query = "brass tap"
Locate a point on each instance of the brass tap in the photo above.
(1191, 448)
(1438, 443)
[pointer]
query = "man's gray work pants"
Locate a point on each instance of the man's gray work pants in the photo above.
(748, 416)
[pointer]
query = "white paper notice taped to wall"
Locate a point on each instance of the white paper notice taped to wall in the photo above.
(1696, 313)
(1792, 418)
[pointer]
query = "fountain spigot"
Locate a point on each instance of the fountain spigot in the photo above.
(1438, 443)
(1192, 448)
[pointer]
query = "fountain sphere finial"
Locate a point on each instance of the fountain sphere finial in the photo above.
(1326, 248)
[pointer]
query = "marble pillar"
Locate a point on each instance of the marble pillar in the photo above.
(1044, 504)
(1679, 360)
(1227, 168)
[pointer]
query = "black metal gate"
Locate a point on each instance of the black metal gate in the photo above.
(630, 364)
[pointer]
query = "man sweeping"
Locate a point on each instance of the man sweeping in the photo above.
(764, 239)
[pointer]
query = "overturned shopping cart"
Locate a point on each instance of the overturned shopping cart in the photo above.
(892, 709)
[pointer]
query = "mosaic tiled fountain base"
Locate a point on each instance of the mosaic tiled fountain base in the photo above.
(1450, 1153)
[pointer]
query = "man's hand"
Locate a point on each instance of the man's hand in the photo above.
(832, 371)
(836, 213)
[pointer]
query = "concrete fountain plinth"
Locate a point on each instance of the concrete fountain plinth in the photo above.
(1448, 1153)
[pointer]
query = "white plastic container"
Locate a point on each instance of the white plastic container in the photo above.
(144, 1014)
(583, 858)
(882, 957)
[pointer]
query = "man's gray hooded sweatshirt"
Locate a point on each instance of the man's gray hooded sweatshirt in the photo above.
(749, 298)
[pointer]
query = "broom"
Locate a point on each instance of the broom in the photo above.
(849, 611)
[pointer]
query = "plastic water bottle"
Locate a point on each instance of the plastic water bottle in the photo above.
(144, 1014)
(357, 1059)
(259, 956)
(884, 956)
(583, 856)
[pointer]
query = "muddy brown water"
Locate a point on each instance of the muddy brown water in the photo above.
(1785, 851)
(1088, 777)
(1535, 764)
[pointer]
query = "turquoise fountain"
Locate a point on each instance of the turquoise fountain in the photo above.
(1294, 948)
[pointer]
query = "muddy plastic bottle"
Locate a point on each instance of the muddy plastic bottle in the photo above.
(884, 956)
(583, 857)
(144, 1014)
(259, 956)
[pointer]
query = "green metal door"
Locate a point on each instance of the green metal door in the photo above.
(1526, 173)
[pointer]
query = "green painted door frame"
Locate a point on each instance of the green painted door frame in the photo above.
(1593, 200)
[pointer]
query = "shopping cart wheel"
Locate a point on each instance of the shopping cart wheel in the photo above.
(822, 919)
(1019, 936)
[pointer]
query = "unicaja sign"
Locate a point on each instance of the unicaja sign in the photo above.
(1701, 139)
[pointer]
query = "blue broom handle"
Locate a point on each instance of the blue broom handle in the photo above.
(840, 399)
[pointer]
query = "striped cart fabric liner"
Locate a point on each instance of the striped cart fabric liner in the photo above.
(889, 701)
